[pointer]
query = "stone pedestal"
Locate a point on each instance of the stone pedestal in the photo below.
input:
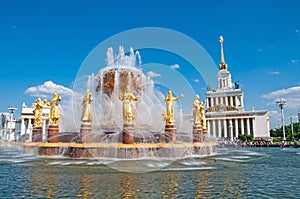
(37, 134)
(169, 135)
(86, 132)
(128, 134)
(53, 133)
(47, 151)
(204, 134)
(197, 133)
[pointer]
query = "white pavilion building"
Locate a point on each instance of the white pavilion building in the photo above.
(226, 117)
(8, 124)
(27, 120)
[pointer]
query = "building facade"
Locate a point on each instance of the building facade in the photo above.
(27, 120)
(8, 127)
(226, 117)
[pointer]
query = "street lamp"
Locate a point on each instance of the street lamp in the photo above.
(3, 122)
(11, 109)
(281, 103)
(292, 125)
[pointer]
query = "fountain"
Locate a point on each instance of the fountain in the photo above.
(123, 119)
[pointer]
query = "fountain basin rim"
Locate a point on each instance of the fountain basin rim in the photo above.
(118, 145)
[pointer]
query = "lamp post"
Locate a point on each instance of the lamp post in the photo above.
(292, 125)
(3, 121)
(281, 103)
(11, 109)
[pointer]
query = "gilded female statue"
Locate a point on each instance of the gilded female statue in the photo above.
(196, 111)
(169, 116)
(128, 113)
(38, 112)
(54, 110)
(86, 107)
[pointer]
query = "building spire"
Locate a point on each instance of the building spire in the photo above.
(222, 65)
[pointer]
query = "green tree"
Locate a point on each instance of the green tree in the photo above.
(278, 132)
(245, 137)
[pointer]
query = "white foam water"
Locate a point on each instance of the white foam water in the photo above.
(189, 169)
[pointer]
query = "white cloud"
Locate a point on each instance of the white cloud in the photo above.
(175, 66)
(196, 80)
(275, 119)
(153, 74)
(47, 89)
(275, 114)
(272, 112)
(275, 73)
(294, 60)
(266, 48)
(283, 92)
(271, 47)
(291, 95)
(12, 26)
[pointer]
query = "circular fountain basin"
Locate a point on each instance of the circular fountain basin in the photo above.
(118, 150)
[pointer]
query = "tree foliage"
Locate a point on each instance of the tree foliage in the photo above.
(278, 132)
(245, 137)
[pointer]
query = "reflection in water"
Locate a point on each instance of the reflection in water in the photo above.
(50, 185)
(238, 173)
(84, 190)
(170, 186)
(45, 185)
(128, 186)
(202, 184)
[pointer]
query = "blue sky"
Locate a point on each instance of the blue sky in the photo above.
(48, 41)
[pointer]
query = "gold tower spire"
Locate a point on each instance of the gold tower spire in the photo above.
(222, 65)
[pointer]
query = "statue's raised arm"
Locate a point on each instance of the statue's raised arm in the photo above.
(128, 112)
(169, 115)
(54, 109)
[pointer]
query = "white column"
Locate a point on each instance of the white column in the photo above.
(242, 101)
(236, 128)
(213, 122)
(222, 100)
(254, 126)
(242, 126)
(219, 128)
(30, 130)
(208, 127)
(226, 100)
(231, 101)
(248, 126)
(225, 128)
(231, 129)
(22, 127)
(236, 101)
(27, 127)
(207, 102)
